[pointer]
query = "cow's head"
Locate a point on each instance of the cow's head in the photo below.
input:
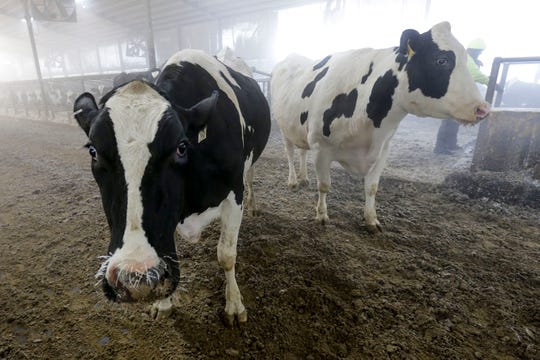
(438, 81)
(140, 156)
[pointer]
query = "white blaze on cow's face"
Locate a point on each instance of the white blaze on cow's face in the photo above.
(439, 83)
(135, 111)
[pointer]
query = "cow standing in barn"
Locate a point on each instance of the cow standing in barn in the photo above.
(176, 154)
(347, 107)
(226, 56)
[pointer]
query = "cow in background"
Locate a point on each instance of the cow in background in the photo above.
(174, 155)
(124, 78)
(226, 56)
(347, 106)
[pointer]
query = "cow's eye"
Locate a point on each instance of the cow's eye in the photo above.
(442, 62)
(93, 152)
(181, 150)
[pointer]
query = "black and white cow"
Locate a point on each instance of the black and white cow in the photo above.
(227, 56)
(347, 106)
(176, 154)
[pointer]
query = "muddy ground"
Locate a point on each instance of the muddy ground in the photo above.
(450, 278)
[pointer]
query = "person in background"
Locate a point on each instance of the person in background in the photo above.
(447, 135)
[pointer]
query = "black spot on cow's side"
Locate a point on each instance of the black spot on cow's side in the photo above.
(310, 87)
(321, 63)
(343, 105)
(365, 77)
(303, 117)
(429, 69)
(380, 100)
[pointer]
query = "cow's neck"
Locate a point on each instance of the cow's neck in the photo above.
(204, 186)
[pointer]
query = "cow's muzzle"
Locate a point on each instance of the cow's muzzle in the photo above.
(474, 114)
(482, 111)
(132, 284)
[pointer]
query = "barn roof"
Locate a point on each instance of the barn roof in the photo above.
(109, 20)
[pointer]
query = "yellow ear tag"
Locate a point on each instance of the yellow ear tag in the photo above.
(410, 51)
(202, 135)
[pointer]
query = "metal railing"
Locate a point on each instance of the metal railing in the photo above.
(497, 87)
(24, 99)
(263, 79)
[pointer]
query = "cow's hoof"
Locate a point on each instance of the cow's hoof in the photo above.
(232, 319)
(293, 186)
(303, 183)
(322, 219)
(161, 310)
(252, 212)
(375, 228)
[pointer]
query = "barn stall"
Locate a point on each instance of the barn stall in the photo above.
(452, 275)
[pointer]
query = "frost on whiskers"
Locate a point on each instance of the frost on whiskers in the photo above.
(100, 275)
(127, 276)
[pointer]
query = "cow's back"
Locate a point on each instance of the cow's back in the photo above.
(256, 113)
(288, 78)
(303, 89)
(241, 121)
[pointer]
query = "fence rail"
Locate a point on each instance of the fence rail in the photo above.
(23, 99)
(496, 84)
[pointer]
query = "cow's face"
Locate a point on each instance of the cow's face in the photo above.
(140, 153)
(438, 81)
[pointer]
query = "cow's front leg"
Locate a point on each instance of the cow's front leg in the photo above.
(371, 185)
(161, 309)
(231, 218)
(322, 168)
(303, 178)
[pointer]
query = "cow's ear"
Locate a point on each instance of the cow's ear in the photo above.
(198, 115)
(407, 44)
(85, 110)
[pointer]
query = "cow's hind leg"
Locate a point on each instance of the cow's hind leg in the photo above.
(292, 182)
(303, 178)
(322, 168)
(231, 218)
(371, 185)
(250, 201)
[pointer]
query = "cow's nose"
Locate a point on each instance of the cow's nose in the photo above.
(482, 111)
(134, 283)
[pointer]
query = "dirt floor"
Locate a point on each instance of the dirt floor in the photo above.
(450, 278)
